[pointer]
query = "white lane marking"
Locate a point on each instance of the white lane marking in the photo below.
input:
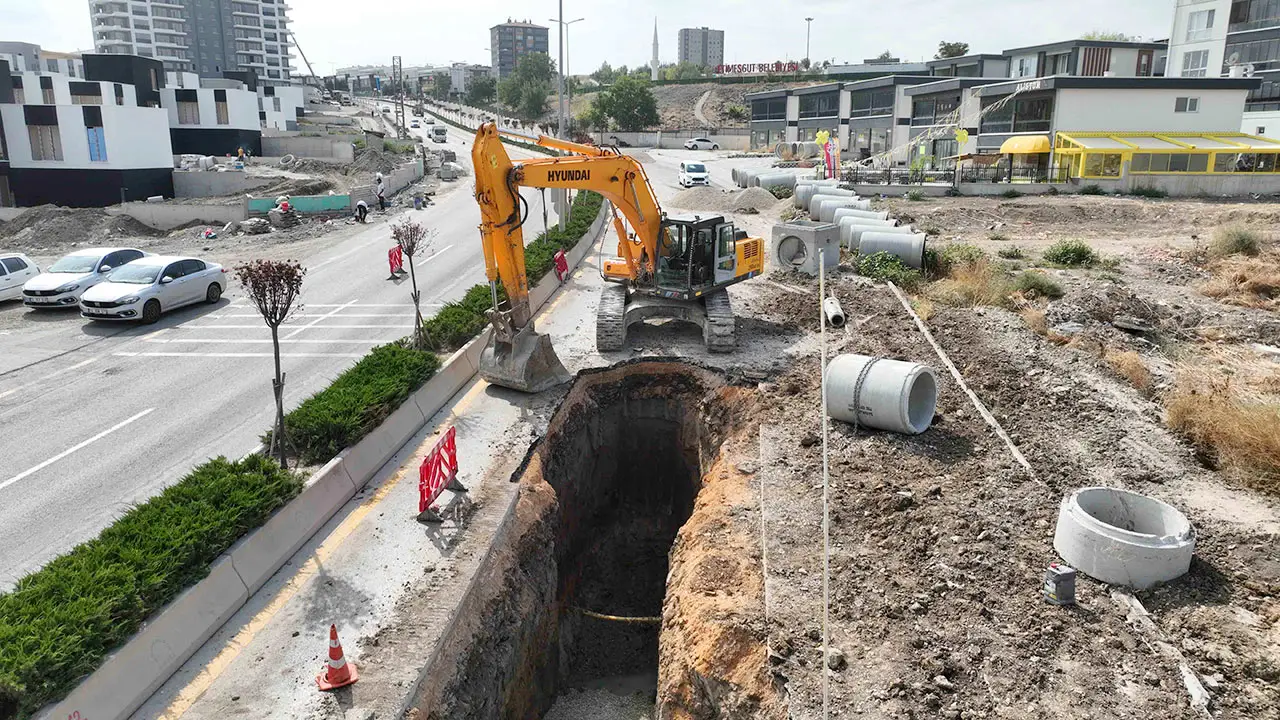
(297, 327)
(74, 448)
(318, 320)
(234, 355)
(50, 376)
(237, 341)
(336, 258)
(432, 256)
(346, 315)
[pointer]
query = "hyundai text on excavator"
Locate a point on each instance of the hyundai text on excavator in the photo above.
(666, 266)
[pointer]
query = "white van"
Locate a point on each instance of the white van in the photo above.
(439, 133)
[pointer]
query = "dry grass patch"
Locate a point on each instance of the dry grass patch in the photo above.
(1235, 239)
(1128, 365)
(972, 284)
(1234, 429)
(1245, 281)
(1036, 320)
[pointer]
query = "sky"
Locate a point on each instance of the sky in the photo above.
(338, 33)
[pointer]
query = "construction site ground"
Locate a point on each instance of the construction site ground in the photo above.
(939, 541)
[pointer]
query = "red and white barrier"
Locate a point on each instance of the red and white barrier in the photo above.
(437, 473)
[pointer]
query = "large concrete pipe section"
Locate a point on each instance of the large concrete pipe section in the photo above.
(852, 230)
(827, 206)
(881, 393)
(768, 180)
(880, 216)
(734, 174)
(808, 187)
(806, 150)
(1123, 538)
(908, 247)
(826, 193)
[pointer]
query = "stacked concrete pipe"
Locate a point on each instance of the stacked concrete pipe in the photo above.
(823, 207)
(812, 194)
(908, 247)
(766, 181)
(807, 189)
(852, 230)
(881, 393)
(880, 217)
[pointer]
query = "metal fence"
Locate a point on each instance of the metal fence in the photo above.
(1019, 174)
(968, 174)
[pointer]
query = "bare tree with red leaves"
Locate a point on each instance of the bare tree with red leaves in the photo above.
(273, 287)
(413, 239)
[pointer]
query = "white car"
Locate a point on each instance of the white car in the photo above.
(145, 288)
(15, 270)
(701, 144)
(415, 124)
(62, 284)
(694, 173)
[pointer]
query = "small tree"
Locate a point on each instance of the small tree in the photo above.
(629, 104)
(1106, 36)
(481, 90)
(413, 238)
(273, 287)
(884, 57)
(951, 50)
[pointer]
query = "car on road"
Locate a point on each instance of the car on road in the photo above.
(63, 282)
(439, 133)
(693, 173)
(145, 288)
(701, 144)
(15, 270)
(415, 124)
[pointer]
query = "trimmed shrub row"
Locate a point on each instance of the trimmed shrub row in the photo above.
(60, 621)
(356, 402)
(457, 322)
(510, 141)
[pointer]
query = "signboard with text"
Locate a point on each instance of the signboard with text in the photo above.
(778, 67)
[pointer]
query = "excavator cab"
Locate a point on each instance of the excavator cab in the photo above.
(695, 253)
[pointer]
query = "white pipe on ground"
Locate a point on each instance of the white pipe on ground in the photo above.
(881, 393)
(768, 180)
(807, 189)
(852, 230)
(1123, 538)
(880, 216)
(827, 207)
(835, 314)
(908, 247)
(827, 194)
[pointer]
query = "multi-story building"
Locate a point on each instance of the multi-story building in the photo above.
(26, 57)
(985, 66)
(701, 46)
(212, 116)
(1234, 38)
(511, 41)
(1087, 58)
(85, 142)
(461, 75)
(280, 106)
(208, 37)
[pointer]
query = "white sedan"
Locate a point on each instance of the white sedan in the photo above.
(64, 281)
(701, 144)
(145, 288)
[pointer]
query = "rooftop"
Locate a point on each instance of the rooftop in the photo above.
(1058, 82)
(1069, 44)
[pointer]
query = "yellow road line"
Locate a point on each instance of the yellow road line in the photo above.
(202, 681)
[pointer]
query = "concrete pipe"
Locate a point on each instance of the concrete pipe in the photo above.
(909, 247)
(1123, 538)
(880, 216)
(852, 230)
(808, 188)
(769, 180)
(734, 174)
(881, 393)
(826, 193)
(749, 177)
(835, 314)
(806, 150)
(827, 206)
(782, 151)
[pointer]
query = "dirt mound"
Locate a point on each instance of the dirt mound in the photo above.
(373, 160)
(54, 228)
(751, 200)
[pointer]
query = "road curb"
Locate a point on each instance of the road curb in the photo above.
(129, 675)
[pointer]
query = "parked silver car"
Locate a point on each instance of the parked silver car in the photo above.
(155, 284)
(62, 283)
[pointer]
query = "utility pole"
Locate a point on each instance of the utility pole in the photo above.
(397, 74)
(808, 25)
(560, 68)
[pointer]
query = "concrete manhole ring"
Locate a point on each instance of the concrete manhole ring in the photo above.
(792, 251)
(1123, 538)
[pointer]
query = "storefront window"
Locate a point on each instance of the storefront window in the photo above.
(1102, 164)
(820, 105)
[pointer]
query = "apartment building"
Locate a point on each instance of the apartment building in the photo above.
(85, 142)
(207, 37)
(280, 106)
(1088, 58)
(212, 116)
(511, 41)
(27, 57)
(1233, 38)
(701, 46)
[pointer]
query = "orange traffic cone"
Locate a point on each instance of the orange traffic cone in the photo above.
(337, 672)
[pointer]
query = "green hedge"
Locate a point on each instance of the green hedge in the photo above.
(58, 623)
(457, 322)
(510, 141)
(356, 402)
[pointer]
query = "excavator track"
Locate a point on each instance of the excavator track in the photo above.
(611, 318)
(718, 332)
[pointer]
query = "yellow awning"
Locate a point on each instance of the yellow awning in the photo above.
(1026, 145)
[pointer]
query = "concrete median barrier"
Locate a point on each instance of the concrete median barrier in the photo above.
(258, 556)
(131, 674)
(364, 458)
(452, 377)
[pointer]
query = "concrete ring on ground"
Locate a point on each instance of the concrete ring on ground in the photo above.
(1123, 538)
(287, 160)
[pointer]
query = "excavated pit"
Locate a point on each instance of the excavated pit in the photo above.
(603, 497)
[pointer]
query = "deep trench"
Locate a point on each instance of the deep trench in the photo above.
(624, 456)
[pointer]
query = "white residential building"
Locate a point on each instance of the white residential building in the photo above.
(280, 106)
(211, 116)
(1226, 38)
(85, 142)
(208, 37)
(27, 57)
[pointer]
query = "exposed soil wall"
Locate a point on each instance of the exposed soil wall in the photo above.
(603, 497)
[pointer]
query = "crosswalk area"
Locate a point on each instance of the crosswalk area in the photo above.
(346, 330)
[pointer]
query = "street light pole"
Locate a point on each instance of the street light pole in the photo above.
(560, 94)
(808, 25)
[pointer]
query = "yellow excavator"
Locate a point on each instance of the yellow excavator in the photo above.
(666, 265)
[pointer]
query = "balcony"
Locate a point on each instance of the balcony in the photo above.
(170, 3)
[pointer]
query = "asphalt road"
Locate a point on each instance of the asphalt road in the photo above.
(98, 417)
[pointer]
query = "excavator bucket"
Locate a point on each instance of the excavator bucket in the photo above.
(527, 363)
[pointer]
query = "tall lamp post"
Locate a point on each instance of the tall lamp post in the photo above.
(563, 75)
(808, 25)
